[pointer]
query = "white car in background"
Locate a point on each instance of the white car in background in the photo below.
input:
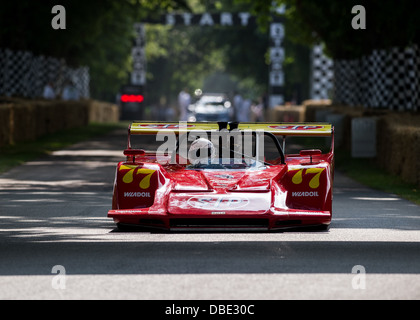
(211, 107)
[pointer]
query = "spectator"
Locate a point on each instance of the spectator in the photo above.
(244, 111)
(237, 104)
(184, 101)
(70, 92)
(258, 111)
(48, 91)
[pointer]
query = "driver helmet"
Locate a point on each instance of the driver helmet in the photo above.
(202, 151)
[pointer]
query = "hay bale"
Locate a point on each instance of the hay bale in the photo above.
(288, 114)
(399, 146)
(103, 112)
(5, 124)
(312, 106)
(23, 119)
(26, 120)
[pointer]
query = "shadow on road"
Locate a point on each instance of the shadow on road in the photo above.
(53, 212)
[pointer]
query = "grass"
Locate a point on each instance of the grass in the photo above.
(367, 172)
(19, 153)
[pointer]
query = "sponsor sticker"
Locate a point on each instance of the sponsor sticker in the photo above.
(220, 202)
(305, 194)
(224, 176)
(164, 126)
(136, 194)
(298, 127)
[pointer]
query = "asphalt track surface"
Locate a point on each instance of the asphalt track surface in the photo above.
(53, 215)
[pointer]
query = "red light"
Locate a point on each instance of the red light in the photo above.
(132, 98)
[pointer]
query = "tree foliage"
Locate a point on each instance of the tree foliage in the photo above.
(389, 24)
(193, 56)
(211, 58)
(99, 34)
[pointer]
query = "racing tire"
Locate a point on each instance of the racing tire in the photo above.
(323, 227)
(125, 227)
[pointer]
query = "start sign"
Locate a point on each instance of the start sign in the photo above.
(240, 19)
(224, 19)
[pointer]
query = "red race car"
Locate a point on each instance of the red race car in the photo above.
(223, 175)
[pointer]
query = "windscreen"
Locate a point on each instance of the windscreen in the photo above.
(237, 150)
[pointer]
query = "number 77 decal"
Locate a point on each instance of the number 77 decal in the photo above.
(128, 177)
(314, 182)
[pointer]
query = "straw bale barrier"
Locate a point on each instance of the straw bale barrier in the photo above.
(26, 120)
(398, 146)
(287, 114)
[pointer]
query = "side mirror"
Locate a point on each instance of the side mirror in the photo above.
(310, 153)
(134, 152)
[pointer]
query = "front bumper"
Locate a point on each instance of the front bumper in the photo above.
(267, 221)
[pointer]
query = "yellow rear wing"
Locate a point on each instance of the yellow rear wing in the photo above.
(278, 129)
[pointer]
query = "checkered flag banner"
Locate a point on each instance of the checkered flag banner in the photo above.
(322, 74)
(384, 79)
(24, 74)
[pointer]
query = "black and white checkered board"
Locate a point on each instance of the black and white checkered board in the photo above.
(322, 74)
(385, 79)
(24, 74)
